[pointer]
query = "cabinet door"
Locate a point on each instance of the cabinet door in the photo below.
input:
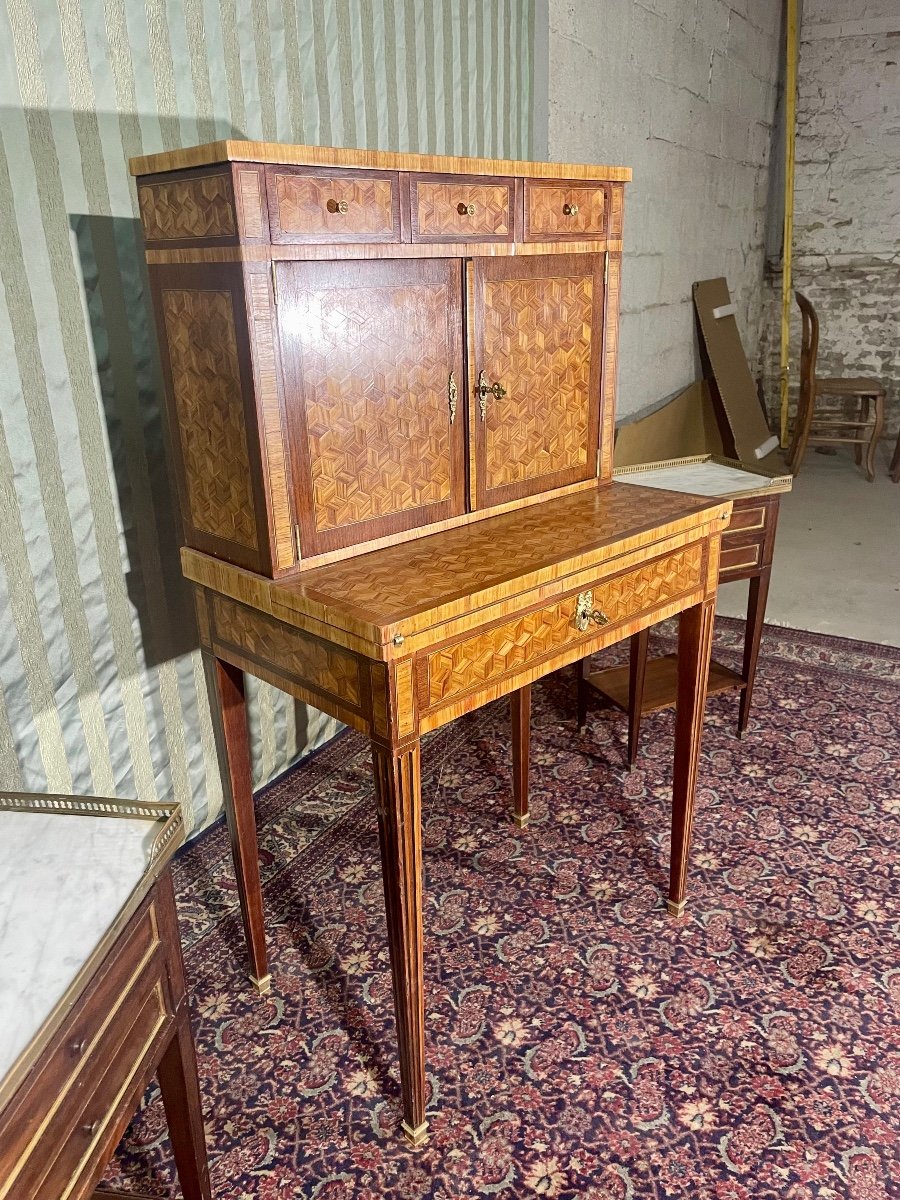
(536, 335)
(372, 354)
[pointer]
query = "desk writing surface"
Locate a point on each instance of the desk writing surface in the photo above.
(491, 558)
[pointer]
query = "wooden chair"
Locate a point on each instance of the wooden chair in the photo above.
(869, 391)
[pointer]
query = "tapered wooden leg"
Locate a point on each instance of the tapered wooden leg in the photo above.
(637, 670)
(520, 703)
(582, 692)
(756, 615)
(177, 1074)
(226, 691)
(694, 644)
(876, 434)
(399, 799)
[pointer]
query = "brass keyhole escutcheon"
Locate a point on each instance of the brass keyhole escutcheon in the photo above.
(336, 206)
(585, 612)
(570, 210)
(484, 389)
(465, 210)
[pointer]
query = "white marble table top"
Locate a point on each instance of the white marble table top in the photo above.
(699, 478)
(63, 881)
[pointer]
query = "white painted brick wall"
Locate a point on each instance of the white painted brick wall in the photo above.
(847, 194)
(682, 91)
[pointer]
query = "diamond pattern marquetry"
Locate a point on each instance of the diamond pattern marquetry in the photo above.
(537, 344)
(206, 385)
(421, 575)
(376, 362)
(467, 664)
(303, 206)
(437, 209)
(187, 208)
(321, 665)
(547, 210)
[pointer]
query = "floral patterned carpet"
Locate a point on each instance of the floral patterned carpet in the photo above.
(581, 1042)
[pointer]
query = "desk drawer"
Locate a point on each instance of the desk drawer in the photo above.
(556, 211)
(39, 1131)
(465, 664)
(736, 559)
(461, 208)
(318, 207)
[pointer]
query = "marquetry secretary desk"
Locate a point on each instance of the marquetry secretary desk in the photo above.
(391, 391)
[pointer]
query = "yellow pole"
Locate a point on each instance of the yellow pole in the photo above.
(790, 118)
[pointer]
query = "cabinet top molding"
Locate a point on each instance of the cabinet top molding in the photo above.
(330, 156)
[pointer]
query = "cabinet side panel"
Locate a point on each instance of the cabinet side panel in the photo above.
(610, 363)
(260, 303)
(201, 325)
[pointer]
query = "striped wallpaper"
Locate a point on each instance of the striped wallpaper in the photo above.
(101, 686)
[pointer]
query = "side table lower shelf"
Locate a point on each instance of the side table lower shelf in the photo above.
(660, 683)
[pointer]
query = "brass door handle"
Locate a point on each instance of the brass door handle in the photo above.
(570, 210)
(336, 206)
(585, 612)
(465, 210)
(484, 389)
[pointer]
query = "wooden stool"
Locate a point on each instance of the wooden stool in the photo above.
(871, 392)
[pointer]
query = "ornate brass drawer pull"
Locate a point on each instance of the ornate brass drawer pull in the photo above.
(570, 210)
(485, 389)
(585, 612)
(336, 206)
(452, 397)
(465, 210)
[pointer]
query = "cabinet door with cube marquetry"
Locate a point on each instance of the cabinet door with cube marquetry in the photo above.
(373, 378)
(535, 342)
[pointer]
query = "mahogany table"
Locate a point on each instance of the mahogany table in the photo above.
(92, 993)
(647, 685)
(401, 640)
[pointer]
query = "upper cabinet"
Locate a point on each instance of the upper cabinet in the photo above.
(359, 347)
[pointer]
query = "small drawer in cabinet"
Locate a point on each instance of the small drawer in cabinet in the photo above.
(468, 663)
(318, 206)
(461, 208)
(556, 211)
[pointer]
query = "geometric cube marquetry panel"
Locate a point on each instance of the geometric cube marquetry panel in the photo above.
(375, 364)
(187, 208)
(471, 662)
(537, 344)
(322, 665)
(206, 382)
(433, 571)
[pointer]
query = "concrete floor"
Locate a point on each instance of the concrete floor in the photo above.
(837, 553)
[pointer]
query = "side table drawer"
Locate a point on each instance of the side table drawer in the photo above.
(746, 517)
(64, 1108)
(461, 208)
(319, 207)
(465, 664)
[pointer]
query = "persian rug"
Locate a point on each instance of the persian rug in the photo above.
(581, 1043)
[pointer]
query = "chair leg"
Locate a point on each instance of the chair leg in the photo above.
(876, 434)
(863, 419)
(802, 427)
